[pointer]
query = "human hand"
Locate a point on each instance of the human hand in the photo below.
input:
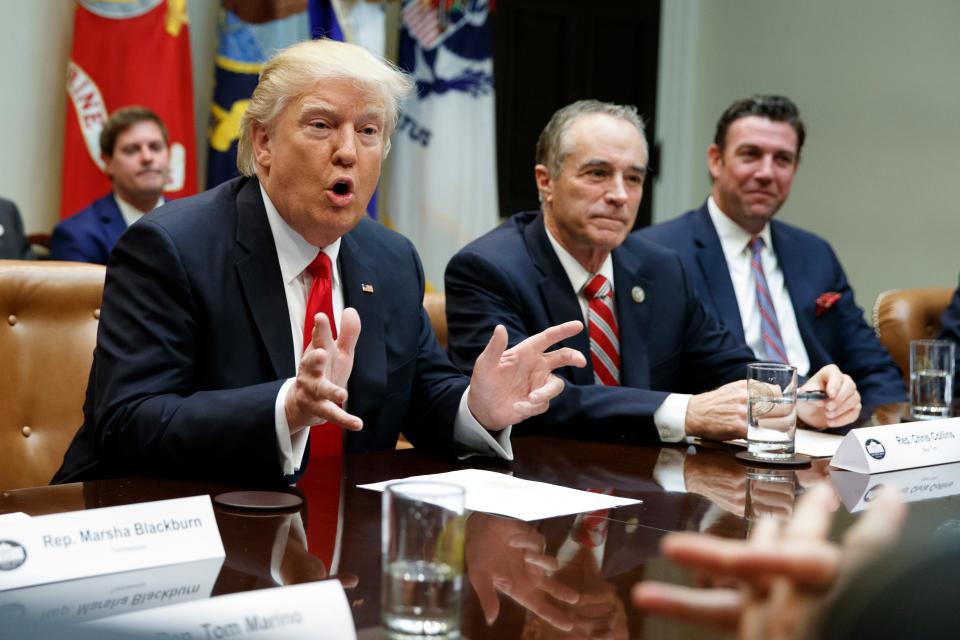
(720, 414)
(785, 572)
(319, 391)
(510, 385)
(842, 405)
(507, 556)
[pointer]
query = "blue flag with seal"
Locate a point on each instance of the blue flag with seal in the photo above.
(249, 34)
(442, 166)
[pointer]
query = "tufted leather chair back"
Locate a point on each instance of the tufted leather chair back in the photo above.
(436, 306)
(49, 312)
(902, 315)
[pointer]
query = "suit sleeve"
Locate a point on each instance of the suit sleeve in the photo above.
(479, 296)
(859, 353)
(950, 330)
(145, 411)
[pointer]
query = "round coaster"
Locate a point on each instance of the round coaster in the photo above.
(259, 500)
(797, 460)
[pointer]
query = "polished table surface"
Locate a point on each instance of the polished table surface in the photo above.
(710, 491)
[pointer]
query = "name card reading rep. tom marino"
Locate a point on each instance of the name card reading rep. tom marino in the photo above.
(95, 542)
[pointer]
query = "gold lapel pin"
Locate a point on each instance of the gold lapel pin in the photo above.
(638, 294)
(366, 288)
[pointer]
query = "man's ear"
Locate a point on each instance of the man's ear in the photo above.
(260, 136)
(544, 182)
(714, 160)
(107, 161)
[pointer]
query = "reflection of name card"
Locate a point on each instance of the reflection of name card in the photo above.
(857, 490)
(901, 446)
(315, 610)
(81, 544)
(90, 598)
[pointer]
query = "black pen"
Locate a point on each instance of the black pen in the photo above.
(811, 396)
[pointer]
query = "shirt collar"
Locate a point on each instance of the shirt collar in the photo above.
(734, 239)
(577, 275)
(129, 212)
(293, 251)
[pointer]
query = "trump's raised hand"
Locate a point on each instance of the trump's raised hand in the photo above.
(509, 385)
(320, 389)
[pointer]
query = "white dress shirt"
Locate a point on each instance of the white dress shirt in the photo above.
(295, 254)
(129, 212)
(735, 242)
(670, 416)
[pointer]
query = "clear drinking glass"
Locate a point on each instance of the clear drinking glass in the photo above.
(422, 532)
(931, 378)
(771, 410)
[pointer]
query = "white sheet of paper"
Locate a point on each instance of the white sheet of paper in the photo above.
(816, 444)
(499, 493)
(311, 611)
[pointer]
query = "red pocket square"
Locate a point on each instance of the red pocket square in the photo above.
(825, 301)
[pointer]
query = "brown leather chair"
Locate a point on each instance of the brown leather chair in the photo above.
(49, 313)
(902, 315)
(436, 306)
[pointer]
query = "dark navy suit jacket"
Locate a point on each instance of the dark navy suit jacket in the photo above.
(14, 244)
(950, 330)
(89, 234)
(810, 268)
(669, 342)
(194, 344)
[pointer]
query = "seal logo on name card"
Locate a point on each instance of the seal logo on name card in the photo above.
(875, 449)
(12, 555)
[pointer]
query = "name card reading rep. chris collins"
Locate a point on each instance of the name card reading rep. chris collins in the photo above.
(81, 544)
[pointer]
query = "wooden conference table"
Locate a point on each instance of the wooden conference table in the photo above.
(700, 488)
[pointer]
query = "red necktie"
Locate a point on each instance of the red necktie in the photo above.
(604, 336)
(769, 327)
(321, 481)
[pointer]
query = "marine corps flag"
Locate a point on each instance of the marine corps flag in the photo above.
(126, 53)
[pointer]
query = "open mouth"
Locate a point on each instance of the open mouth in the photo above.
(341, 188)
(340, 192)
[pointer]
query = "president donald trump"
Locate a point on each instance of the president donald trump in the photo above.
(269, 312)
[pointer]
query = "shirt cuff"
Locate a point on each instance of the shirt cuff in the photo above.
(473, 439)
(670, 417)
(290, 448)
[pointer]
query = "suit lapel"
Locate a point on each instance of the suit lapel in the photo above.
(791, 260)
(633, 318)
(370, 360)
(261, 281)
(558, 295)
(111, 217)
(713, 268)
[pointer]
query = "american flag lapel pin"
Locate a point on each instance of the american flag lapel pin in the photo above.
(366, 288)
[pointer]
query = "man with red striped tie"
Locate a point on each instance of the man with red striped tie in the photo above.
(656, 356)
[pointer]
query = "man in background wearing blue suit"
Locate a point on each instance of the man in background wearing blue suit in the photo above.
(777, 288)
(134, 146)
(536, 269)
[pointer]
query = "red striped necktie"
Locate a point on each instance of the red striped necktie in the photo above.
(769, 327)
(604, 336)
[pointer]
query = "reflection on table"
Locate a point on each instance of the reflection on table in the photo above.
(562, 577)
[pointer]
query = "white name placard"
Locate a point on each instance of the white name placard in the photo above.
(899, 446)
(857, 490)
(312, 611)
(81, 544)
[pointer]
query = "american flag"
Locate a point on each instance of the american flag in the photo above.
(423, 21)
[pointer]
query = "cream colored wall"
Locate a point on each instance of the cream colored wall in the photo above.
(878, 86)
(35, 39)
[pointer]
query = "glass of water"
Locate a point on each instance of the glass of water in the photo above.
(422, 532)
(931, 378)
(771, 410)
